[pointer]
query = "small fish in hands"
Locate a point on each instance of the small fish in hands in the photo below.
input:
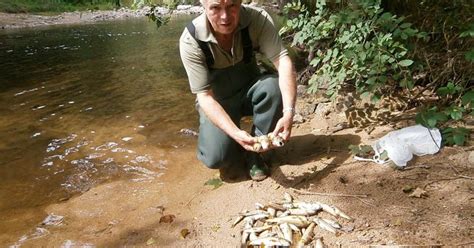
(268, 141)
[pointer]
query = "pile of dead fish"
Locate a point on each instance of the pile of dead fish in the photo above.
(288, 223)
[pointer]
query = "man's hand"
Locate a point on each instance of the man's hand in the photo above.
(284, 126)
(221, 119)
(244, 139)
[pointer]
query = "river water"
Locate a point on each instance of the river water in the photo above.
(82, 105)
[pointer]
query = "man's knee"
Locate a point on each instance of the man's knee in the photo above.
(212, 161)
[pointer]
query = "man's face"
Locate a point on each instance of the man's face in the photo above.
(223, 15)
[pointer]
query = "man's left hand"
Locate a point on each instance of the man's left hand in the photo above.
(284, 126)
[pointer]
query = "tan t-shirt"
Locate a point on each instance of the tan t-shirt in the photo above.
(262, 32)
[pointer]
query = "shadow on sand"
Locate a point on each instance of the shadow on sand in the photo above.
(307, 150)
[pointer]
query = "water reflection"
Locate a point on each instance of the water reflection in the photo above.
(81, 105)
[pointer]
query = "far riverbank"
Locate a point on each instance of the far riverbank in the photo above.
(16, 21)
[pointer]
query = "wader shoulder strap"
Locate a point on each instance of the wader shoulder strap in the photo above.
(246, 43)
(203, 45)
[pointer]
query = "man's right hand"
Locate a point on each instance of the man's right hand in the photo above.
(222, 120)
(244, 139)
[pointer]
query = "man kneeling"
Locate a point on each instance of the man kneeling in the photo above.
(217, 51)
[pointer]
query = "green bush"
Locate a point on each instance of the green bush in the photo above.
(469, 55)
(455, 104)
(353, 42)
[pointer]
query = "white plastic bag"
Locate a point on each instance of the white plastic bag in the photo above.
(402, 144)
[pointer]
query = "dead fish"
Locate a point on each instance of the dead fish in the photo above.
(294, 228)
(276, 229)
(271, 241)
(279, 213)
(257, 229)
(286, 213)
(299, 211)
(303, 205)
(307, 235)
(288, 198)
(319, 243)
(334, 211)
(324, 225)
(308, 206)
(188, 132)
(299, 221)
(259, 206)
(287, 232)
(246, 235)
(333, 223)
(288, 205)
(292, 218)
(277, 141)
(252, 236)
(266, 233)
(256, 217)
(268, 141)
(254, 212)
(238, 220)
(276, 206)
(271, 211)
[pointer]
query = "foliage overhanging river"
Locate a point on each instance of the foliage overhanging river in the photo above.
(85, 104)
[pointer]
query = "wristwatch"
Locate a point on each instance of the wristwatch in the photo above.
(289, 109)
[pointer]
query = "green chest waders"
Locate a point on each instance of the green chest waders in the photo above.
(242, 91)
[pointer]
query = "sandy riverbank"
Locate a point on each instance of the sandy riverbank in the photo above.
(179, 210)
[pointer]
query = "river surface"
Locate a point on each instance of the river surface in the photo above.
(82, 105)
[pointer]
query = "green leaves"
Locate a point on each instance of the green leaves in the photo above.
(407, 83)
(454, 136)
(469, 56)
(429, 118)
(454, 112)
(434, 117)
(449, 89)
(469, 32)
(364, 151)
(405, 62)
(216, 182)
(158, 20)
(357, 43)
(468, 99)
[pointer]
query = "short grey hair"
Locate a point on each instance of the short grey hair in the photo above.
(203, 2)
